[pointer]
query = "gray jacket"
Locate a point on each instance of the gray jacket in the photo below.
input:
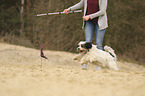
(102, 20)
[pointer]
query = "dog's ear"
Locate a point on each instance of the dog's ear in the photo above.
(88, 45)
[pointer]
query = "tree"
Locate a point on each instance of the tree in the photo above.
(28, 3)
(21, 18)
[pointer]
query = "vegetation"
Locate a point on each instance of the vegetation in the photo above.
(125, 33)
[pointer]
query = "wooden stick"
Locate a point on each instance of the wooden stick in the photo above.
(57, 13)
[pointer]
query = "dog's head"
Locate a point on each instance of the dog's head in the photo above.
(84, 46)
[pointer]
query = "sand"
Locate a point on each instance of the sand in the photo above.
(21, 74)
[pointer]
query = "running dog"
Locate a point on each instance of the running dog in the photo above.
(89, 53)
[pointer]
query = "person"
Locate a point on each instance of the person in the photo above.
(94, 19)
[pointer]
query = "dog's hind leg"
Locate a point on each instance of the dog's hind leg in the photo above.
(112, 65)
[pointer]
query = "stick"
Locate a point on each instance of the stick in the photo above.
(57, 13)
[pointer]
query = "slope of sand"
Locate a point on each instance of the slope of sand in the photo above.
(21, 74)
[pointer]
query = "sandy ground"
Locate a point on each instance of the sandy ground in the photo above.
(21, 74)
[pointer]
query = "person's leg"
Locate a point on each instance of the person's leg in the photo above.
(99, 37)
(97, 68)
(89, 30)
(84, 66)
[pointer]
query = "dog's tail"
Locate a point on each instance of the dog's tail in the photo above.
(111, 51)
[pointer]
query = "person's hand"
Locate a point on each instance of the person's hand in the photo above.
(86, 18)
(66, 11)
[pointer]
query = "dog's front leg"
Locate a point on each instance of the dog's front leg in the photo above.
(84, 60)
(77, 57)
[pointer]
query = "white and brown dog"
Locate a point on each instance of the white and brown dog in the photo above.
(88, 53)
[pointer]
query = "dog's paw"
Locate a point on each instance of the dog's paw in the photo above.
(76, 57)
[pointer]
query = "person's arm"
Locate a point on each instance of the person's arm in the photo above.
(74, 7)
(77, 6)
(102, 10)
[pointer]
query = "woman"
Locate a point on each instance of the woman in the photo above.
(95, 18)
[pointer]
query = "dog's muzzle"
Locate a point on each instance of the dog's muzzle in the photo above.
(79, 50)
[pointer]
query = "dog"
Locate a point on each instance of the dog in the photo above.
(89, 53)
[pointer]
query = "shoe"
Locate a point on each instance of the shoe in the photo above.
(97, 68)
(84, 67)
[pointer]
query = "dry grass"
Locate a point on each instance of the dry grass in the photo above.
(21, 74)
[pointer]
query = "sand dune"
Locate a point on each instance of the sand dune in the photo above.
(21, 74)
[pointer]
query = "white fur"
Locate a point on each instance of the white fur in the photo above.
(97, 56)
(109, 49)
